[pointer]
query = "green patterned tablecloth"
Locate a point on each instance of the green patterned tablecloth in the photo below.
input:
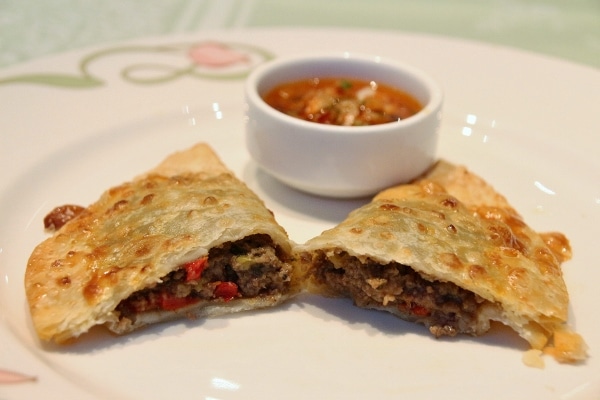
(566, 29)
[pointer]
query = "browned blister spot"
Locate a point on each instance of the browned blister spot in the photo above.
(450, 202)
(387, 235)
(509, 252)
(558, 244)
(147, 199)
(150, 184)
(98, 253)
(111, 276)
(92, 290)
(421, 228)
(119, 205)
(451, 228)
(210, 200)
(64, 281)
(438, 215)
(142, 250)
(389, 207)
(451, 260)
(477, 272)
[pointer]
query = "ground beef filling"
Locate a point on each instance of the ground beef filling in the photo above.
(442, 306)
(247, 268)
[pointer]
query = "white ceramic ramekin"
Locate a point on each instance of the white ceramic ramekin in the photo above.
(342, 161)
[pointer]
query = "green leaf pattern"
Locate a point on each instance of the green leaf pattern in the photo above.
(200, 60)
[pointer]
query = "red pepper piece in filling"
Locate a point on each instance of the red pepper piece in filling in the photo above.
(169, 302)
(414, 308)
(194, 269)
(226, 290)
(418, 310)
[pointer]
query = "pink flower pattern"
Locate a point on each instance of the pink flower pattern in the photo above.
(216, 55)
(14, 377)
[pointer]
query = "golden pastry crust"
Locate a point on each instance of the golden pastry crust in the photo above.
(136, 234)
(451, 226)
(469, 188)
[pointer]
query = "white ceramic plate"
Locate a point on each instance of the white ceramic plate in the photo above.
(76, 124)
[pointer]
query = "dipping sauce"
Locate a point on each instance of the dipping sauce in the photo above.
(342, 101)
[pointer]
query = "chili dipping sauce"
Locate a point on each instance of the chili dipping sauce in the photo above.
(342, 101)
